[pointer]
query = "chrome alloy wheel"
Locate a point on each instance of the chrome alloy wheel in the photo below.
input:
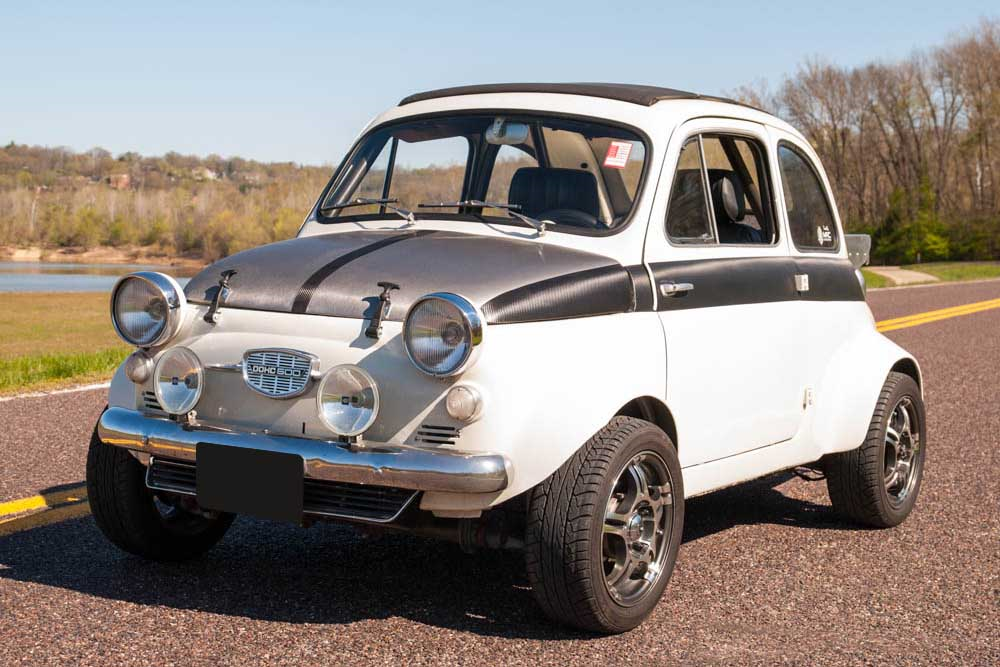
(637, 527)
(902, 451)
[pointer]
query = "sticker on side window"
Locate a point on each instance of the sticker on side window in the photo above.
(824, 235)
(618, 152)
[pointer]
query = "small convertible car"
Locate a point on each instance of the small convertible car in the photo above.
(523, 316)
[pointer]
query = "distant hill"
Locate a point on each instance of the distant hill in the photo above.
(181, 204)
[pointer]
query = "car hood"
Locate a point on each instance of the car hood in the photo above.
(336, 275)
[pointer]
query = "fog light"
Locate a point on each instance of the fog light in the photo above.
(464, 403)
(138, 367)
(347, 400)
(178, 380)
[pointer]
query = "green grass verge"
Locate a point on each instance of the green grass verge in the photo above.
(955, 271)
(873, 280)
(46, 371)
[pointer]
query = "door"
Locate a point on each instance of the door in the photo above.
(726, 293)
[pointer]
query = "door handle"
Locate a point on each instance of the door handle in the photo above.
(675, 289)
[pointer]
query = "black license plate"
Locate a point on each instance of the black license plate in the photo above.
(264, 484)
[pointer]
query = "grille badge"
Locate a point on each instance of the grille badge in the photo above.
(277, 372)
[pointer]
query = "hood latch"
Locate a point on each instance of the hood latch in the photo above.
(374, 329)
(221, 294)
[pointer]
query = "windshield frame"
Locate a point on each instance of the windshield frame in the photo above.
(423, 214)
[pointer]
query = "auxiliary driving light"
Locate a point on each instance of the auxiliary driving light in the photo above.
(347, 400)
(178, 380)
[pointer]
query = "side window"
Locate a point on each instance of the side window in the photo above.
(509, 159)
(741, 202)
(688, 219)
(810, 217)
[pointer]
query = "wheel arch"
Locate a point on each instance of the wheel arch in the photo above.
(652, 410)
(909, 366)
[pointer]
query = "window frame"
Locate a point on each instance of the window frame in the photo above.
(824, 190)
(764, 172)
(644, 178)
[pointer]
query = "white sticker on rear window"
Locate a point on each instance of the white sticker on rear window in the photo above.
(618, 152)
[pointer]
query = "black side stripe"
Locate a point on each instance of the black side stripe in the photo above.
(751, 280)
(601, 291)
(305, 294)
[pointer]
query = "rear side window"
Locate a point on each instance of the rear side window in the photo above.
(810, 217)
(688, 219)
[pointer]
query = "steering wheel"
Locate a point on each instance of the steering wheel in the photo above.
(572, 217)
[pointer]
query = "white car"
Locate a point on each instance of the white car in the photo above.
(526, 316)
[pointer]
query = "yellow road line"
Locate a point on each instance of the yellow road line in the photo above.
(72, 494)
(935, 315)
(44, 518)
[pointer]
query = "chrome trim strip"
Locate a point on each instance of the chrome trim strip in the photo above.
(401, 466)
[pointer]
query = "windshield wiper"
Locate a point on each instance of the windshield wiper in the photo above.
(384, 203)
(512, 209)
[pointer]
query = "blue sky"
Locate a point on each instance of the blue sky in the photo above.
(296, 80)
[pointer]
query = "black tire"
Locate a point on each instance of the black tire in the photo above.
(126, 512)
(857, 479)
(564, 536)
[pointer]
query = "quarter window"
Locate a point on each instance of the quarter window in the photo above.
(810, 217)
(688, 220)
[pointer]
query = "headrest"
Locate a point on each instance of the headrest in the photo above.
(537, 189)
(727, 196)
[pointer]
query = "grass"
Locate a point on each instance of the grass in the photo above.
(955, 271)
(48, 340)
(875, 280)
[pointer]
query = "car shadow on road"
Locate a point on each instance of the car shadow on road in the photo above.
(332, 574)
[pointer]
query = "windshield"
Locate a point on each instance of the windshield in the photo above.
(576, 175)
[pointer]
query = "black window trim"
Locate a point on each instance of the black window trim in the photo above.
(823, 189)
(771, 192)
(316, 216)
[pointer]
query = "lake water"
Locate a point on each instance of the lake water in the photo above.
(66, 277)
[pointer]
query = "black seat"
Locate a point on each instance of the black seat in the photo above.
(565, 196)
(729, 204)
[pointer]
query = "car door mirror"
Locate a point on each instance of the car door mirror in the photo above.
(859, 248)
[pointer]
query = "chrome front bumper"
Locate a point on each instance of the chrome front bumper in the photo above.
(402, 466)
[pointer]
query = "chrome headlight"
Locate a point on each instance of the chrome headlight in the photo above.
(147, 308)
(178, 380)
(347, 400)
(442, 333)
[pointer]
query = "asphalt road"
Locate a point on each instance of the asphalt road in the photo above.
(767, 573)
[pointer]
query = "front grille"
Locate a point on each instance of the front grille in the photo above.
(175, 476)
(277, 373)
(438, 435)
(339, 499)
(355, 501)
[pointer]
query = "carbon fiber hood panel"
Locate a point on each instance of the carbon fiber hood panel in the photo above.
(337, 274)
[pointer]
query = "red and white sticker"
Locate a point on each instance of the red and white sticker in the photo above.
(618, 153)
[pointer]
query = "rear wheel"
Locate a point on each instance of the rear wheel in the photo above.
(604, 530)
(135, 519)
(877, 483)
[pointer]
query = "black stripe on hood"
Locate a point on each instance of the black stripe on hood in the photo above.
(302, 299)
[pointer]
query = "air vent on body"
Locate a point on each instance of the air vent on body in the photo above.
(149, 401)
(438, 435)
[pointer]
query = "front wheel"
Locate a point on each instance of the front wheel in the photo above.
(132, 517)
(877, 483)
(604, 530)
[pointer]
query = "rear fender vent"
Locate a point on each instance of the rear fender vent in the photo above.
(438, 435)
(149, 401)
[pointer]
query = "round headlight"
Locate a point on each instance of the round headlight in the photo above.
(178, 380)
(441, 333)
(347, 400)
(146, 308)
